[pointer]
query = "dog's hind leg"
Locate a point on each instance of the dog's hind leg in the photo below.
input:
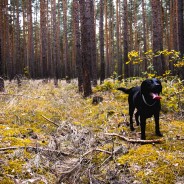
(137, 118)
(131, 112)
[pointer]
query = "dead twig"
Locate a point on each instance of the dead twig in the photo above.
(50, 120)
(134, 140)
(36, 149)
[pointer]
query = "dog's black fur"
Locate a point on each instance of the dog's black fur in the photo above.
(146, 100)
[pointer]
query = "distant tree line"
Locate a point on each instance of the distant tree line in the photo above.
(88, 39)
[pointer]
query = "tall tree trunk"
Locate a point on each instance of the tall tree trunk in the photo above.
(30, 42)
(93, 44)
(7, 44)
(180, 33)
(86, 45)
(126, 68)
(24, 44)
(106, 37)
(144, 34)
(111, 39)
(43, 33)
(58, 46)
(65, 43)
(54, 46)
(76, 10)
(101, 31)
(120, 70)
(157, 35)
(18, 63)
(1, 26)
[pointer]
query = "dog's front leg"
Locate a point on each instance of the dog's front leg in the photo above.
(157, 127)
(143, 127)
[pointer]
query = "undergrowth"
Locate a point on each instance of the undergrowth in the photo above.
(54, 135)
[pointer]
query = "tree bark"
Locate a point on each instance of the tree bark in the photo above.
(76, 10)
(44, 43)
(31, 42)
(126, 68)
(65, 43)
(86, 45)
(157, 36)
(101, 32)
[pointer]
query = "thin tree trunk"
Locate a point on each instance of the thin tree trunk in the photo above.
(54, 46)
(106, 37)
(117, 42)
(30, 42)
(43, 32)
(144, 34)
(93, 44)
(76, 10)
(65, 43)
(1, 25)
(126, 68)
(180, 33)
(101, 31)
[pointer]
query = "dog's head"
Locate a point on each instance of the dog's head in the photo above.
(151, 88)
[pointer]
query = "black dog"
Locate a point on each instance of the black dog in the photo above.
(146, 100)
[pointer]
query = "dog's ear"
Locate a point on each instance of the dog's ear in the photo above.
(145, 86)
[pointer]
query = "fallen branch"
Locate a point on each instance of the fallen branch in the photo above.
(36, 149)
(134, 140)
(50, 120)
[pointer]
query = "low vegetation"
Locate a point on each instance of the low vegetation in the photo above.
(54, 135)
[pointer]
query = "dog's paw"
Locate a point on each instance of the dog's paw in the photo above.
(132, 128)
(137, 123)
(159, 134)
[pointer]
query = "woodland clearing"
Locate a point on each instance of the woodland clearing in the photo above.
(54, 135)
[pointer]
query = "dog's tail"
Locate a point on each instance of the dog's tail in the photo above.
(125, 90)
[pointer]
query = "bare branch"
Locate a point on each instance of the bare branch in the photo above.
(50, 120)
(37, 149)
(134, 140)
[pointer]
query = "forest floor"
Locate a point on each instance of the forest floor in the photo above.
(54, 135)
